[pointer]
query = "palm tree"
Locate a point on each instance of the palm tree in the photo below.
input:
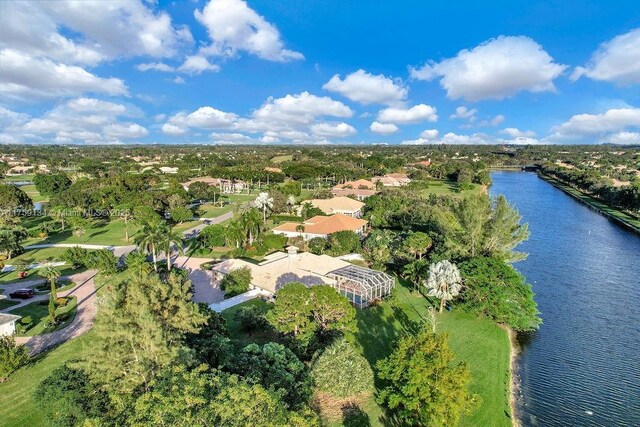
(51, 274)
(263, 202)
(171, 238)
(251, 224)
(444, 282)
(137, 261)
(149, 237)
(415, 271)
(235, 233)
(126, 215)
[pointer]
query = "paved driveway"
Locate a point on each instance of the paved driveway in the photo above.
(206, 288)
(85, 293)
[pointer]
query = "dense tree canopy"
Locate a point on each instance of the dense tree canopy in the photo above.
(424, 386)
(496, 290)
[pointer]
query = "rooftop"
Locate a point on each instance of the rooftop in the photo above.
(324, 224)
(337, 204)
(8, 318)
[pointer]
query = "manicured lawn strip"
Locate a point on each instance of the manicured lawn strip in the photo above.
(17, 406)
(629, 220)
(441, 187)
(6, 303)
(33, 193)
(39, 314)
(186, 225)
(210, 211)
(105, 233)
(36, 256)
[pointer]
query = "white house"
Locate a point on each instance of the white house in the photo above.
(8, 323)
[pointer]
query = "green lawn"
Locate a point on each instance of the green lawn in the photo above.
(186, 225)
(448, 187)
(280, 159)
(210, 211)
(6, 303)
(39, 314)
(17, 407)
(33, 193)
(36, 256)
(103, 233)
(479, 342)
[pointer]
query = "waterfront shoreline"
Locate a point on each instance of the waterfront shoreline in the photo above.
(565, 189)
(514, 384)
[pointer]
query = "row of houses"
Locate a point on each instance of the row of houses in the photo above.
(363, 188)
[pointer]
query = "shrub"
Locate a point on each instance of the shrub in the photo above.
(68, 398)
(318, 245)
(250, 318)
(75, 256)
(276, 368)
(344, 242)
(274, 241)
(236, 282)
(62, 301)
(342, 372)
(12, 356)
(213, 235)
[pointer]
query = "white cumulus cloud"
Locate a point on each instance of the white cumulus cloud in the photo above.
(616, 60)
(417, 113)
(383, 128)
(339, 130)
(496, 69)
(367, 88)
(233, 27)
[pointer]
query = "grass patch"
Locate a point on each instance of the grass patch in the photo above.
(7, 303)
(36, 256)
(441, 187)
(103, 233)
(479, 342)
(210, 211)
(280, 159)
(39, 313)
(242, 338)
(186, 225)
(33, 193)
(17, 406)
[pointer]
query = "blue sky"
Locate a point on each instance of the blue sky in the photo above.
(314, 72)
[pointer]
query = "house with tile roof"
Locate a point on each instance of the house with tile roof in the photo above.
(322, 226)
(338, 205)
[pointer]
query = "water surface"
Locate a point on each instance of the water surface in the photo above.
(582, 368)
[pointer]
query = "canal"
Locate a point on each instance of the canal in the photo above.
(582, 368)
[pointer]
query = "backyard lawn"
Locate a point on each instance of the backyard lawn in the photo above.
(17, 406)
(38, 313)
(479, 342)
(449, 187)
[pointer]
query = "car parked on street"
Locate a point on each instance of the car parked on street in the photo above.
(22, 294)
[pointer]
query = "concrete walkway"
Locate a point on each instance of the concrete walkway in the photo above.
(85, 293)
(238, 299)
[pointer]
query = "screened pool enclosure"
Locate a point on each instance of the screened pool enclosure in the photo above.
(361, 285)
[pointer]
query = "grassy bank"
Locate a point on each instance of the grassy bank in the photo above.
(626, 220)
(17, 406)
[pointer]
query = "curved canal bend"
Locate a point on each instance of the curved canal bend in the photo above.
(582, 368)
